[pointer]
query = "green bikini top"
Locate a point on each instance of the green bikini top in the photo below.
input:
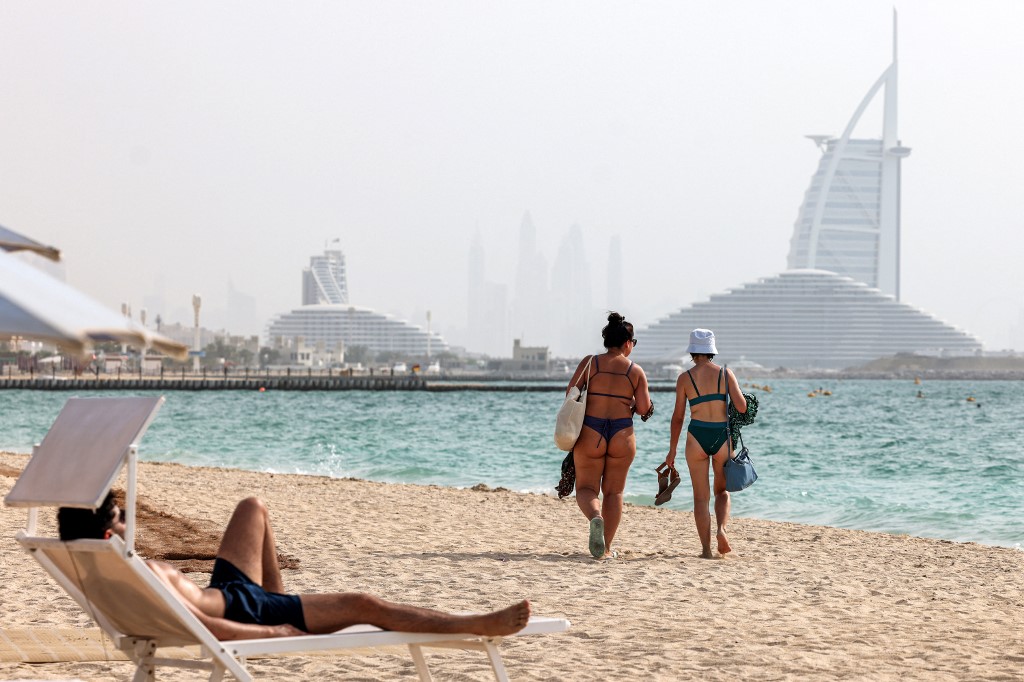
(710, 396)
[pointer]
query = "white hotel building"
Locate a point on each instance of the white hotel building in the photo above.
(326, 319)
(805, 318)
(838, 304)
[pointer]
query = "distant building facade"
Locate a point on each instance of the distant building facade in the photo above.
(313, 355)
(486, 306)
(351, 326)
(530, 304)
(325, 280)
(524, 359)
(572, 316)
(187, 335)
(801, 319)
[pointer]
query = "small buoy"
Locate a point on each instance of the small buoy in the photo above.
(262, 389)
(812, 394)
(970, 398)
(826, 392)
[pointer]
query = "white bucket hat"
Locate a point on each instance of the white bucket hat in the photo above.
(702, 341)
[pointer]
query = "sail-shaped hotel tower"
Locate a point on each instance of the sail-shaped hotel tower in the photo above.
(838, 303)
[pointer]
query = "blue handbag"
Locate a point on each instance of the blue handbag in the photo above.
(739, 470)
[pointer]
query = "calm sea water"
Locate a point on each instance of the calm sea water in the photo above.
(872, 456)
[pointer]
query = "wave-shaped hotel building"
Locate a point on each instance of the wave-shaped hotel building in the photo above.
(806, 318)
(838, 304)
(327, 320)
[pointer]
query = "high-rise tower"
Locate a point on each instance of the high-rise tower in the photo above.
(573, 328)
(486, 307)
(530, 296)
(849, 222)
(325, 280)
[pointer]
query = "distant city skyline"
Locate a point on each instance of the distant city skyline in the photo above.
(551, 307)
(164, 167)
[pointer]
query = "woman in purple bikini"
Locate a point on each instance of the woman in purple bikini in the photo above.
(616, 388)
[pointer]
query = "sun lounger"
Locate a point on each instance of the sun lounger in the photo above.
(75, 466)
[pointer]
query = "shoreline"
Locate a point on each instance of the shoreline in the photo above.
(484, 487)
(793, 602)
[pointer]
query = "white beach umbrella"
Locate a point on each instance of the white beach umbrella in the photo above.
(12, 241)
(34, 305)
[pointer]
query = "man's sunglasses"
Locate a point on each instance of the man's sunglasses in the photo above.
(633, 341)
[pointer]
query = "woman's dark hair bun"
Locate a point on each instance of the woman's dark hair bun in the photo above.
(617, 331)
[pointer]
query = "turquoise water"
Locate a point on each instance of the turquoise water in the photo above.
(871, 456)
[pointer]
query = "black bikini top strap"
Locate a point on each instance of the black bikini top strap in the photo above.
(720, 373)
(693, 382)
(629, 369)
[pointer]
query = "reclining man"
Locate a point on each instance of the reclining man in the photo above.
(246, 600)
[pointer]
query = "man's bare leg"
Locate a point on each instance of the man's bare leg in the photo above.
(248, 543)
(326, 613)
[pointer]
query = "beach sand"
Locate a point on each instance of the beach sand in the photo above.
(793, 602)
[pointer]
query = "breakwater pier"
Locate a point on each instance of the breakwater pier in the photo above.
(275, 382)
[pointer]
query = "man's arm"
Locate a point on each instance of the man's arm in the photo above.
(224, 629)
(188, 593)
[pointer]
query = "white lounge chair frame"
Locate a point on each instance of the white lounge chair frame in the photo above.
(103, 434)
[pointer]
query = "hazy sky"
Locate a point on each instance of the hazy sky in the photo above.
(177, 146)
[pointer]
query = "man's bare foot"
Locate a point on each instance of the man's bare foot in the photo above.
(723, 543)
(505, 622)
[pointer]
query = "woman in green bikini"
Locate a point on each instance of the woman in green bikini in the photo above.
(703, 388)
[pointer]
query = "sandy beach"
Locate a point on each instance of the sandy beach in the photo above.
(793, 602)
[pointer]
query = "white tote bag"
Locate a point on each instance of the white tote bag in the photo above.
(569, 421)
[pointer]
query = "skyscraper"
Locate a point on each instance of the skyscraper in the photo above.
(486, 307)
(325, 280)
(570, 296)
(530, 302)
(849, 222)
